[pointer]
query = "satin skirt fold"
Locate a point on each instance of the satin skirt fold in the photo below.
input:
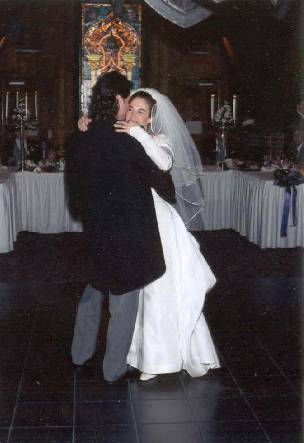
(171, 332)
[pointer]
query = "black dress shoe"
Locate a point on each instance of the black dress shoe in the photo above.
(88, 369)
(131, 374)
(86, 364)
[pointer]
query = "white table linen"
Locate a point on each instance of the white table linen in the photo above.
(271, 214)
(8, 210)
(247, 202)
(217, 199)
(42, 205)
(252, 205)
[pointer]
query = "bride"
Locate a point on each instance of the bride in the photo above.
(171, 332)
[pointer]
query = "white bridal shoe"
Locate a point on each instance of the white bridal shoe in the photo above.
(146, 377)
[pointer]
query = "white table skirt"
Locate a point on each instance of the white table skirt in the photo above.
(252, 205)
(8, 211)
(217, 199)
(42, 204)
(246, 202)
(271, 214)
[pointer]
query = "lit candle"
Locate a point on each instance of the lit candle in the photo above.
(17, 99)
(6, 105)
(26, 105)
(212, 106)
(219, 94)
(36, 106)
(2, 109)
(234, 108)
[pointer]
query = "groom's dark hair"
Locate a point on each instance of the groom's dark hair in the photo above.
(103, 104)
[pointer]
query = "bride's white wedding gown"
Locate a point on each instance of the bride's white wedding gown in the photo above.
(171, 332)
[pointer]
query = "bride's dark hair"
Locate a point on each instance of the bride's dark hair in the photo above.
(103, 104)
(145, 96)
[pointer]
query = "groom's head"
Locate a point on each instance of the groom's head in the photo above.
(110, 97)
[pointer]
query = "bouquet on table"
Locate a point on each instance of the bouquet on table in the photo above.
(222, 118)
(224, 114)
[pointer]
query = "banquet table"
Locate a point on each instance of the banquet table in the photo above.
(42, 205)
(32, 202)
(257, 211)
(8, 210)
(252, 205)
(247, 202)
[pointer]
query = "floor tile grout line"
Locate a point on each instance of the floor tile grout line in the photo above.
(271, 358)
(74, 400)
(46, 402)
(189, 406)
(11, 427)
(283, 375)
(247, 403)
(43, 427)
(133, 413)
(74, 406)
(21, 382)
(183, 381)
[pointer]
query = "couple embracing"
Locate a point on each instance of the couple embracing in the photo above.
(139, 251)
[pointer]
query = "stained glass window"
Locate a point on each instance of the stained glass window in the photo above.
(109, 43)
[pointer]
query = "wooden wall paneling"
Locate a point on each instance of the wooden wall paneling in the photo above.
(53, 28)
(59, 70)
(177, 61)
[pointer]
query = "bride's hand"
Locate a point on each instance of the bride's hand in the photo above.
(83, 123)
(124, 126)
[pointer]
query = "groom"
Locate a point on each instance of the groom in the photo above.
(109, 179)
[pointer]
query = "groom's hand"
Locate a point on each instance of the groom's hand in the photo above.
(83, 123)
(124, 126)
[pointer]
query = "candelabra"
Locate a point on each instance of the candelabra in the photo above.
(223, 119)
(19, 118)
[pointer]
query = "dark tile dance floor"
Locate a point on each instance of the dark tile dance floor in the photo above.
(254, 316)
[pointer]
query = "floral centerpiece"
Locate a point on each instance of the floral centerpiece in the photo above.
(224, 118)
(223, 115)
(20, 118)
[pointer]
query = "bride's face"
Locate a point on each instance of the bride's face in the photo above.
(139, 112)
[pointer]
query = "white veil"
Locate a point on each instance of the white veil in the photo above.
(187, 166)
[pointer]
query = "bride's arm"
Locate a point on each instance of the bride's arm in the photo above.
(157, 148)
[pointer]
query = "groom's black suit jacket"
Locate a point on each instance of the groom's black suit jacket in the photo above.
(109, 179)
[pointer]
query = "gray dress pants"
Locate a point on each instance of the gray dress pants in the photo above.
(123, 310)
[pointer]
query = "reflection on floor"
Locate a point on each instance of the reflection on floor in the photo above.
(256, 396)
